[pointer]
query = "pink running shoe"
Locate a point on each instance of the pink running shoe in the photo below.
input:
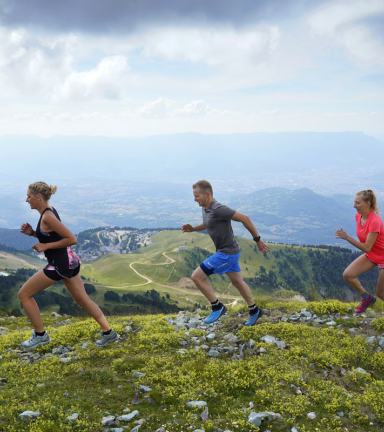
(365, 304)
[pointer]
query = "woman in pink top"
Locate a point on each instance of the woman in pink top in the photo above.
(370, 231)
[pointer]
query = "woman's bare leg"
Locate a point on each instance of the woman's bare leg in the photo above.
(36, 283)
(380, 285)
(76, 287)
(361, 265)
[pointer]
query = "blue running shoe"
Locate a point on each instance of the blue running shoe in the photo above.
(215, 315)
(253, 318)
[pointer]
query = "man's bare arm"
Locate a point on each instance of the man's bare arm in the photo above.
(190, 228)
(250, 226)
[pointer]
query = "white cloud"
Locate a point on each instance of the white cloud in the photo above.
(157, 108)
(339, 22)
(229, 48)
(102, 82)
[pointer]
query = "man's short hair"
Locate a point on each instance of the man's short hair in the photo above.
(204, 186)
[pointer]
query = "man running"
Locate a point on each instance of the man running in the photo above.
(217, 221)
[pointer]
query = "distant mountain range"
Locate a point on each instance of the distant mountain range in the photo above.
(288, 216)
(297, 216)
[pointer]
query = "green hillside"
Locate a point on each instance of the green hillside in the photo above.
(314, 272)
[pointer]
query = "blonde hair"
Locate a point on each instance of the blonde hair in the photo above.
(43, 189)
(369, 196)
(204, 186)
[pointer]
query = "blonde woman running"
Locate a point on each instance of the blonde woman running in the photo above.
(55, 240)
(370, 231)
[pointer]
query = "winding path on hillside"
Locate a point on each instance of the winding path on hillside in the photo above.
(16, 258)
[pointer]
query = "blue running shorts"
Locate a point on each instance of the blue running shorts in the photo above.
(221, 263)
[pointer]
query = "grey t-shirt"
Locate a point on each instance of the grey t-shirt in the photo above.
(217, 221)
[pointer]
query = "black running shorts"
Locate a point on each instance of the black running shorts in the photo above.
(58, 274)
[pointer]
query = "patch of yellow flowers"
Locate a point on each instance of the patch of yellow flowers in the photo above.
(303, 378)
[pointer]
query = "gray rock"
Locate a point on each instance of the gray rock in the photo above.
(46, 356)
(274, 416)
(136, 401)
(280, 344)
(204, 346)
(116, 429)
(211, 336)
(294, 430)
(73, 417)
(85, 344)
(360, 370)
(198, 404)
(205, 414)
(137, 374)
(235, 357)
(213, 353)
(136, 428)
(311, 415)
(331, 323)
(65, 359)
(106, 420)
(381, 342)
(252, 343)
(255, 418)
(138, 329)
(144, 388)
(199, 430)
(128, 417)
(284, 319)
(268, 339)
(262, 350)
(182, 342)
(340, 413)
(230, 337)
(371, 340)
(182, 351)
(29, 415)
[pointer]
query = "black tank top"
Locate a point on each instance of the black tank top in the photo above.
(63, 258)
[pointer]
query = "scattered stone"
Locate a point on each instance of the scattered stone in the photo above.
(274, 416)
(150, 401)
(85, 344)
(136, 401)
(73, 417)
(128, 417)
(262, 350)
(128, 329)
(281, 344)
(213, 353)
(252, 343)
(137, 374)
(65, 359)
(40, 385)
(106, 420)
(29, 415)
(117, 430)
(205, 414)
(230, 337)
(182, 351)
(294, 430)
(360, 370)
(136, 428)
(138, 329)
(268, 339)
(251, 405)
(331, 323)
(211, 336)
(284, 319)
(144, 388)
(255, 418)
(371, 340)
(198, 404)
(182, 342)
(311, 415)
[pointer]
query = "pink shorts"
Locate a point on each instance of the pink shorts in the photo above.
(380, 266)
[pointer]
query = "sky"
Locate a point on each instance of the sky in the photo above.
(127, 67)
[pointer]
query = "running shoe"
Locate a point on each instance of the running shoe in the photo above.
(215, 315)
(253, 318)
(107, 339)
(365, 304)
(35, 341)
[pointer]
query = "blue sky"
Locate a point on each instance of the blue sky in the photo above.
(123, 68)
